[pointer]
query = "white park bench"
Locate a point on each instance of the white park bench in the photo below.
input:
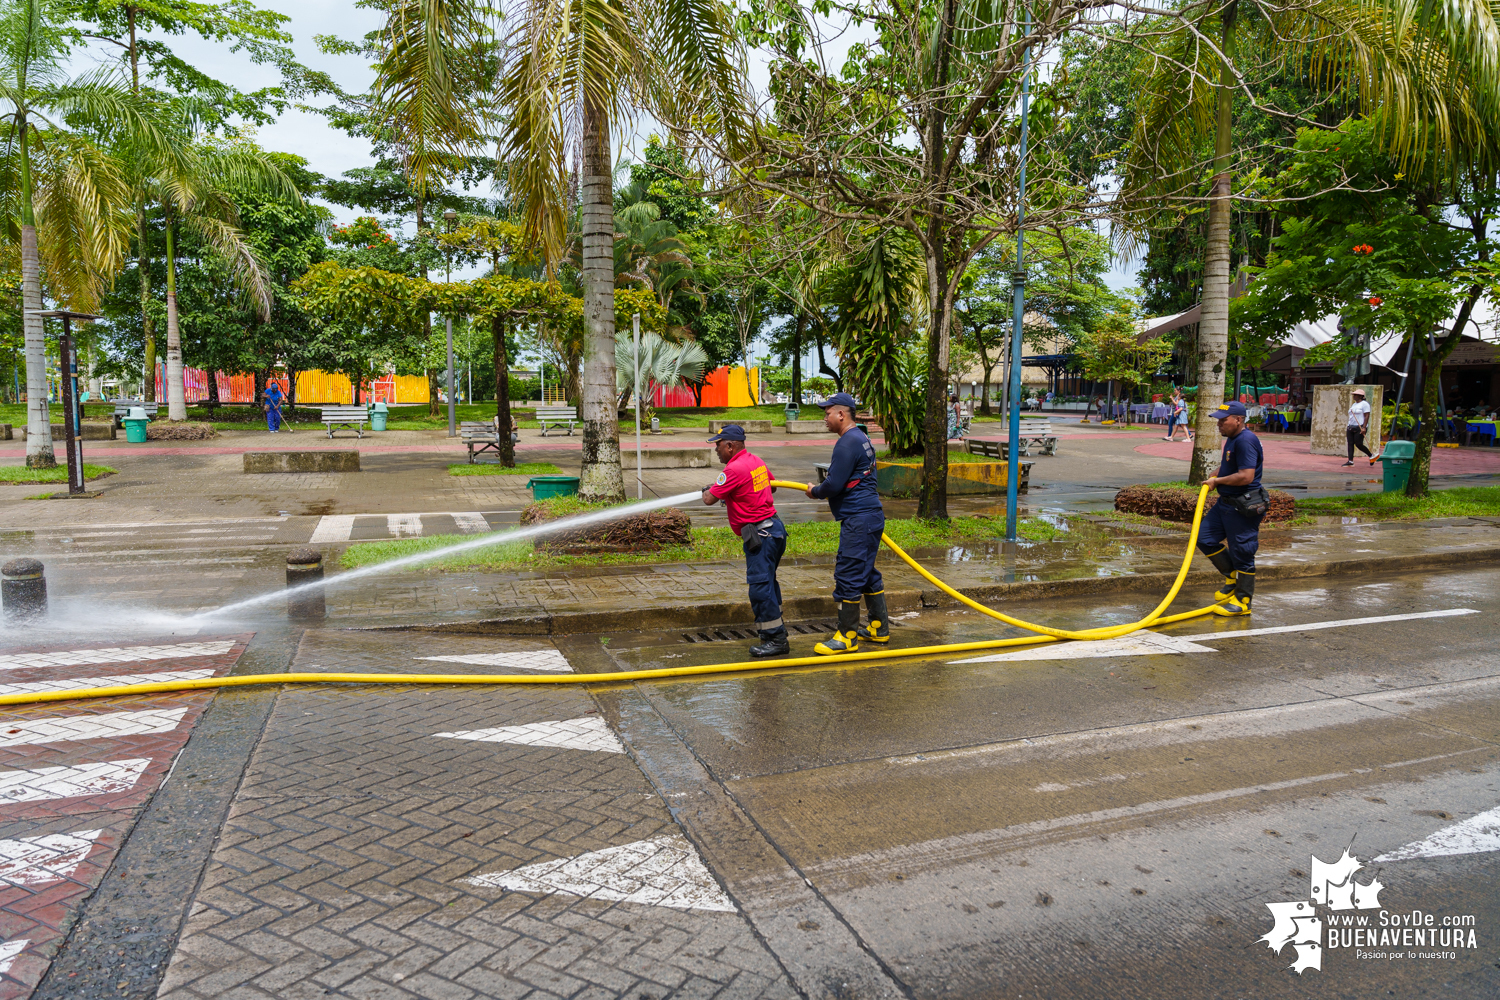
(1034, 433)
(124, 406)
(480, 436)
(557, 416)
(345, 416)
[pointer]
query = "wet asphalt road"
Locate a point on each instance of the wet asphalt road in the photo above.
(1114, 826)
(1038, 826)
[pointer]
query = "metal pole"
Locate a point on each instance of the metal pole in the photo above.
(640, 484)
(452, 427)
(69, 366)
(1013, 469)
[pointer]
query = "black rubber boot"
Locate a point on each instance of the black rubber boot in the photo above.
(879, 629)
(846, 639)
(1221, 562)
(1238, 603)
(772, 643)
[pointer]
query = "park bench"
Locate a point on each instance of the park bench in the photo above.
(124, 406)
(480, 436)
(345, 416)
(557, 416)
(1037, 431)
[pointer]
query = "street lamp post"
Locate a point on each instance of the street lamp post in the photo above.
(67, 362)
(450, 216)
(1013, 472)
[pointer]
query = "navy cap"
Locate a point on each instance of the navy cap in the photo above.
(1233, 408)
(733, 432)
(840, 399)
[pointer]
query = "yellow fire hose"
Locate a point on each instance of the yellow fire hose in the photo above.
(1045, 634)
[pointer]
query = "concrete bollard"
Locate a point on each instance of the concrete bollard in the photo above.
(23, 588)
(305, 565)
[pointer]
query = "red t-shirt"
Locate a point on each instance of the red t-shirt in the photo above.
(745, 488)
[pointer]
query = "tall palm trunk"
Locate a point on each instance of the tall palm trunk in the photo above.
(176, 394)
(1213, 325)
(38, 423)
(600, 478)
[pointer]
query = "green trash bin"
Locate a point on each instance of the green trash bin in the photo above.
(542, 487)
(378, 415)
(1395, 463)
(135, 425)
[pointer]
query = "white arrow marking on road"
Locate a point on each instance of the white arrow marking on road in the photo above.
(114, 654)
(1475, 835)
(45, 783)
(665, 871)
(8, 952)
(586, 733)
(1146, 643)
(539, 659)
(88, 727)
(37, 861)
(83, 683)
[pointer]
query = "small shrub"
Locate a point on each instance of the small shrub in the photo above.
(646, 532)
(1172, 503)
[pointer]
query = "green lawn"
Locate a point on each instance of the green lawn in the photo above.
(520, 469)
(1467, 501)
(56, 474)
(709, 544)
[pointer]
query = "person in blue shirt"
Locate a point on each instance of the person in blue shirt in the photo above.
(274, 396)
(1230, 532)
(850, 491)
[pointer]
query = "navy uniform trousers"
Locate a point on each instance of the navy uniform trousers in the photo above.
(1226, 528)
(760, 576)
(854, 572)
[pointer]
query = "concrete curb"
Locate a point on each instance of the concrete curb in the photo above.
(737, 614)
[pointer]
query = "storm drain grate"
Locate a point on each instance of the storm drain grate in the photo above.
(741, 634)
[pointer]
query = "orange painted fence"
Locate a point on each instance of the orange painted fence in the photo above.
(313, 387)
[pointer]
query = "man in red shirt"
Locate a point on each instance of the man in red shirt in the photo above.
(745, 488)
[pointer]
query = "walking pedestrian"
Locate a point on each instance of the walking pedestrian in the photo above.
(1230, 533)
(274, 397)
(745, 488)
(1178, 418)
(1359, 422)
(854, 502)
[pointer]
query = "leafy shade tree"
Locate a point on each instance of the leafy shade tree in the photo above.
(598, 63)
(1111, 352)
(66, 195)
(1430, 70)
(1391, 252)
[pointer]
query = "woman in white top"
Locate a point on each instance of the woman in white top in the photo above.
(1359, 420)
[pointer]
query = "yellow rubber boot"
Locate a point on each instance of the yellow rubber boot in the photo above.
(1220, 558)
(1238, 603)
(846, 639)
(879, 629)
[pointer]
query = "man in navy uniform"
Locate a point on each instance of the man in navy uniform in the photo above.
(745, 488)
(850, 491)
(1230, 533)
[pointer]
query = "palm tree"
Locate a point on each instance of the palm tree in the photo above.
(1428, 70)
(66, 198)
(578, 71)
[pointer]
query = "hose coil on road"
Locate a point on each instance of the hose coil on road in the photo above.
(1044, 634)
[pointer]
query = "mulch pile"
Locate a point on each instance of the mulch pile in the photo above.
(165, 431)
(637, 533)
(1175, 504)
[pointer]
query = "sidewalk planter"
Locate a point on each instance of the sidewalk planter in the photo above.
(1395, 465)
(542, 487)
(379, 413)
(669, 458)
(807, 427)
(893, 479)
(301, 461)
(748, 426)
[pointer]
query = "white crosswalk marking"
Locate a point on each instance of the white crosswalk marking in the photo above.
(540, 659)
(114, 654)
(84, 683)
(88, 727)
(665, 871)
(8, 952)
(1476, 835)
(1139, 644)
(587, 733)
(471, 523)
(332, 528)
(404, 525)
(37, 861)
(44, 783)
